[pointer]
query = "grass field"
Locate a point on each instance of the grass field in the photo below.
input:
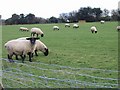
(77, 58)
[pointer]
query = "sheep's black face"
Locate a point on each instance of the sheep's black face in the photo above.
(46, 52)
(32, 40)
(42, 35)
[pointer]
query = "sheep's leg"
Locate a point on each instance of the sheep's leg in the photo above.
(10, 58)
(16, 57)
(36, 53)
(23, 58)
(30, 56)
(37, 35)
(31, 34)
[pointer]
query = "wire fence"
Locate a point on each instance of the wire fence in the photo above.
(37, 74)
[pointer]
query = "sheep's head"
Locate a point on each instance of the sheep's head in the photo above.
(46, 52)
(32, 40)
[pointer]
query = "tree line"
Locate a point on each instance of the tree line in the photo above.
(84, 13)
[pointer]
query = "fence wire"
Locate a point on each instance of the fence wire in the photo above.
(31, 75)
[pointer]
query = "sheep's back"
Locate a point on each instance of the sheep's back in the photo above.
(18, 46)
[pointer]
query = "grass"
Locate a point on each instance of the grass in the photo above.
(76, 48)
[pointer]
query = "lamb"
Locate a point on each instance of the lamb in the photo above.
(75, 26)
(39, 46)
(36, 31)
(102, 22)
(24, 29)
(20, 47)
(118, 28)
(93, 29)
(55, 28)
(67, 25)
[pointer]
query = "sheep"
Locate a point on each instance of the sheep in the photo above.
(102, 22)
(39, 46)
(36, 31)
(55, 28)
(67, 25)
(20, 47)
(75, 26)
(93, 29)
(24, 29)
(118, 28)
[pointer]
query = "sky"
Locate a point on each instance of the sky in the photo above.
(48, 8)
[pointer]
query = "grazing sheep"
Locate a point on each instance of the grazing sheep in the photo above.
(39, 46)
(24, 29)
(75, 26)
(118, 28)
(55, 28)
(67, 25)
(20, 47)
(102, 22)
(36, 31)
(93, 29)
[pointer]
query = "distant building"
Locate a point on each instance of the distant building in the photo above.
(82, 21)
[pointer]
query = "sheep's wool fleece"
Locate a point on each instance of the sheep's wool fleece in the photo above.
(19, 46)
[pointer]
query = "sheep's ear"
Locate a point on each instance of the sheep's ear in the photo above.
(28, 38)
(37, 38)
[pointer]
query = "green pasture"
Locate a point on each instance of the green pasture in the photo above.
(75, 48)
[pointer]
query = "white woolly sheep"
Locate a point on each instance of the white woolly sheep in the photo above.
(55, 28)
(75, 26)
(93, 29)
(36, 31)
(20, 47)
(39, 46)
(67, 25)
(24, 29)
(118, 28)
(102, 22)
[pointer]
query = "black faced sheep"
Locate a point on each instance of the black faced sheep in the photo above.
(39, 46)
(93, 29)
(21, 47)
(102, 22)
(118, 28)
(36, 31)
(75, 26)
(55, 28)
(67, 25)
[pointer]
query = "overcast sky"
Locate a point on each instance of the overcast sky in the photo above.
(48, 8)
